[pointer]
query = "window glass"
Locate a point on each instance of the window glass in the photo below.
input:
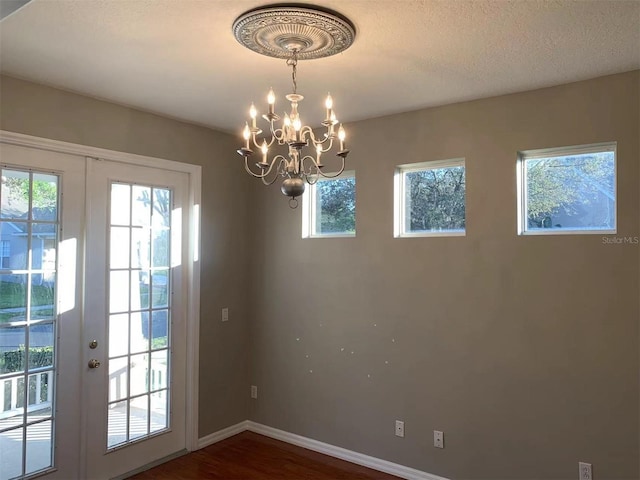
(572, 192)
(431, 199)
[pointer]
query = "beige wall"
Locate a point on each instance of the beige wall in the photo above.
(50, 113)
(523, 350)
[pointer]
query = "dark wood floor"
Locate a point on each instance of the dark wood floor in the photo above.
(252, 456)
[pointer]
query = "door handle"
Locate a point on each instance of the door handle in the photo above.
(93, 363)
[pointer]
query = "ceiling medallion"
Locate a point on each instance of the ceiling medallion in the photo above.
(277, 30)
(293, 33)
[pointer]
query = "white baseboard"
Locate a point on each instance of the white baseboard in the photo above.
(342, 453)
(331, 450)
(215, 437)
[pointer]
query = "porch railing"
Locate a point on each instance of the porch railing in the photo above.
(13, 391)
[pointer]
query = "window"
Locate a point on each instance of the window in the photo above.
(5, 254)
(430, 199)
(567, 190)
(329, 207)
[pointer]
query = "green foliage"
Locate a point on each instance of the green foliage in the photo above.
(435, 199)
(570, 184)
(45, 194)
(13, 360)
(336, 205)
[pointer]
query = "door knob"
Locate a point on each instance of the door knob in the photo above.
(93, 363)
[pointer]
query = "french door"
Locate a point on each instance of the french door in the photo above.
(93, 314)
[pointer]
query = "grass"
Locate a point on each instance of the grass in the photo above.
(14, 295)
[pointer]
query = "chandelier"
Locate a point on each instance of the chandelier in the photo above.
(293, 33)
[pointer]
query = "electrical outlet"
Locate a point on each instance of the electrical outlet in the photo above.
(399, 428)
(225, 314)
(254, 391)
(438, 439)
(585, 471)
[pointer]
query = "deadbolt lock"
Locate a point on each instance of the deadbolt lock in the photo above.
(93, 344)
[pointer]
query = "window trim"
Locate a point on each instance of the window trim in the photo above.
(521, 200)
(399, 217)
(309, 213)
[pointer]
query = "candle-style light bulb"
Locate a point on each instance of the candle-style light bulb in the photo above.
(252, 113)
(332, 121)
(246, 133)
(319, 150)
(271, 100)
(265, 150)
(341, 136)
(328, 102)
(297, 126)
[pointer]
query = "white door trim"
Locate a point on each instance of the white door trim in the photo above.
(193, 269)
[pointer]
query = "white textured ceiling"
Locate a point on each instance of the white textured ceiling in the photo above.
(179, 57)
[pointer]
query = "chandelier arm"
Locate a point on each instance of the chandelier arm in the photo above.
(322, 142)
(259, 146)
(334, 175)
(308, 172)
(309, 131)
(249, 171)
(278, 173)
(277, 134)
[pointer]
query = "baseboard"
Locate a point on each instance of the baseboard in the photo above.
(342, 453)
(222, 434)
(320, 447)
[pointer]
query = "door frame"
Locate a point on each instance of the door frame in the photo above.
(192, 272)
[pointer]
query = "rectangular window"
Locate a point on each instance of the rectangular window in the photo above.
(5, 254)
(329, 207)
(430, 199)
(567, 190)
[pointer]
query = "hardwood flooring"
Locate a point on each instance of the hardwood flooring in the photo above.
(249, 456)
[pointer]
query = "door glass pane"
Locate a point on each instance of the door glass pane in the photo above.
(28, 320)
(14, 194)
(117, 424)
(159, 329)
(139, 332)
(160, 288)
(13, 298)
(43, 295)
(13, 245)
(119, 247)
(141, 206)
(158, 374)
(119, 291)
(140, 294)
(45, 197)
(41, 342)
(118, 378)
(120, 204)
(139, 368)
(158, 411)
(141, 247)
(118, 335)
(12, 443)
(139, 417)
(39, 446)
(12, 351)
